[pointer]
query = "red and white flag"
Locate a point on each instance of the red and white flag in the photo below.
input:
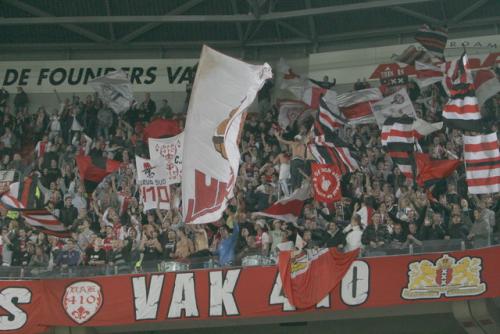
(487, 85)
(308, 278)
(427, 74)
(289, 208)
(482, 163)
(223, 89)
(462, 110)
(303, 89)
(27, 199)
(355, 105)
(326, 183)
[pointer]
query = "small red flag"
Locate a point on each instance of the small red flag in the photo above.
(308, 279)
(161, 128)
(326, 183)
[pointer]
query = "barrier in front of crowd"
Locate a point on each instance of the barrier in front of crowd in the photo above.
(13, 273)
(72, 299)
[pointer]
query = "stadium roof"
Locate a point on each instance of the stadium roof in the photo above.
(244, 24)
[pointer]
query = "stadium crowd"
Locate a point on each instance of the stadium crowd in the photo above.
(109, 226)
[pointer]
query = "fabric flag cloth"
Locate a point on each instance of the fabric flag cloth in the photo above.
(303, 89)
(115, 90)
(326, 183)
(328, 148)
(422, 128)
(161, 128)
(411, 55)
(289, 208)
(366, 214)
(289, 112)
(313, 93)
(169, 150)
(308, 279)
(397, 134)
(486, 84)
(355, 105)
(93, 169)
(430, 171)
(152, 181)
(433, 39)
(405, 162)
(462, 109)
(427, 74)
(395, 105)
(329, 119)
(223, 89)
(482, 163)
(27, 199)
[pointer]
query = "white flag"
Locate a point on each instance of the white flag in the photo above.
(170, 150)
(223, 89)
(115, 90)
(289, 112)
(395, 105)
(152, 182)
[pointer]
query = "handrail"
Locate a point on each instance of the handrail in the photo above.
(201, 263)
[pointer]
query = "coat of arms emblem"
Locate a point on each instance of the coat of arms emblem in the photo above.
(82, 300)
(447, 276)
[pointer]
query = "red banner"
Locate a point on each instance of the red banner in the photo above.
(326, 183)
(32, 306)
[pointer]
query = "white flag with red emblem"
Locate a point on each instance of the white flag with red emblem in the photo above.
(223, 89)
(289, 208)
(152, 181)
(170, 150)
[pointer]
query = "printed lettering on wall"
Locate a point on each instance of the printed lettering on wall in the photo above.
(164, 75)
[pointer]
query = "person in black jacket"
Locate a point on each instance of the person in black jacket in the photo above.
(376, 234)
(433, 229)
(457, 229)
(20, 100)
(336, 237)
(68, 213)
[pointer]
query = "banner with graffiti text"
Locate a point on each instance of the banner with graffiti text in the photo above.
(152, 181)
(241, 292)
(170, 150)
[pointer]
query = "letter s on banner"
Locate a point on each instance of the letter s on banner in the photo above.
(16, 318)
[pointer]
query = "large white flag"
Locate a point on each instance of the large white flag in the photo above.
(223, 89)
(115, 90)
(152, 182)
(395, 105)
(170, 150)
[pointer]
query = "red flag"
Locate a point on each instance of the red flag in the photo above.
(306, 281)
(93, 169)
(161, 128)
(326, 183)
(430, 171)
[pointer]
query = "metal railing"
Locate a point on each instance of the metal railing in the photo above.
(394, 249)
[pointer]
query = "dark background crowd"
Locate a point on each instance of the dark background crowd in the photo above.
(109, 226)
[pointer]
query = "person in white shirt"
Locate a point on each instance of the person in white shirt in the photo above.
(353, 233)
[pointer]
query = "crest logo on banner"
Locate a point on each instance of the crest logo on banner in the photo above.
(170, 150)
(447, 276)
(82, 301)
(326, 183)
(148, 170)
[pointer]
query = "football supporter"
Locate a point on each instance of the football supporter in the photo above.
(380, 207)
